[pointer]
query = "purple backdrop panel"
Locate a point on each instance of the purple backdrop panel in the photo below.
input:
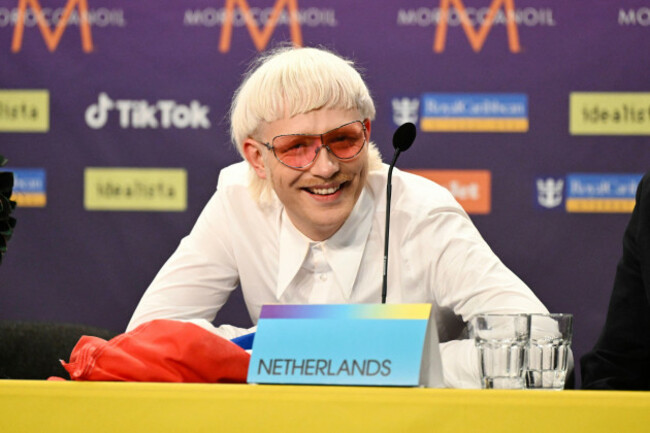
(147, 85)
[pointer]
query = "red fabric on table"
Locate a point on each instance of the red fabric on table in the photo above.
(159, 351)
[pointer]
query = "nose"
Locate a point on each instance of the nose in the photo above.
(325, 165)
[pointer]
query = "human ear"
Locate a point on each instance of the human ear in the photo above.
(367, 124)
(253, 154)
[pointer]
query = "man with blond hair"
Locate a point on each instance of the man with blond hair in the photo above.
(301, 219)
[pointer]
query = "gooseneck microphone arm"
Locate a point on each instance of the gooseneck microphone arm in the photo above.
(389, 185)
(402, 140)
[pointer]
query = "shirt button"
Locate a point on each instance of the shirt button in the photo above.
(323, 277)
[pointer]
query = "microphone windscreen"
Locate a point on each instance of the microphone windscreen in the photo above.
(404, 136)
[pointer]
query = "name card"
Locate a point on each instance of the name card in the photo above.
(346, 344)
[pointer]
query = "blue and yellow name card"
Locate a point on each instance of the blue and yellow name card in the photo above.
(346, 344)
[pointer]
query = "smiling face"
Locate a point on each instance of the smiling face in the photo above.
(319, 198)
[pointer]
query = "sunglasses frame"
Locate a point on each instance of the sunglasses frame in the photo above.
(270, 147)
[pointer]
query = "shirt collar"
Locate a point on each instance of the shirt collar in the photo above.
(343, 251)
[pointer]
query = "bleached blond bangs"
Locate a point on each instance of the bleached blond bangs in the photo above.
(289, 81)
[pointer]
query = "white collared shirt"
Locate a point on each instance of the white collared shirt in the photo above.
(436, 256)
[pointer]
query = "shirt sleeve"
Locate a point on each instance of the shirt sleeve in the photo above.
(621, 357)
(460, 364)
(199, 276)
(469, 279)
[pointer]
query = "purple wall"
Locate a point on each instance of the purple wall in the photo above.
(72, 264)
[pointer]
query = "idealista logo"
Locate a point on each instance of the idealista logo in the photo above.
(29, 187)
(588, 192)
(141, 114)
(480, 112)
(24, 110)
(260, 22)
(135, 189)
(471, 188)
(475, 22)
(609, 113)
(52, 22)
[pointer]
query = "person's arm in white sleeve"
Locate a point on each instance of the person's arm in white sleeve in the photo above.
(469, 279)
(198, 278)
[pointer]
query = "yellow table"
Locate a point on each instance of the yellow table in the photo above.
(94, 407)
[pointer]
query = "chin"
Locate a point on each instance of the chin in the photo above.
(333, 221)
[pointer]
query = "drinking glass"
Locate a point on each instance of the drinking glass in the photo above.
(548, 350)
(501, 340)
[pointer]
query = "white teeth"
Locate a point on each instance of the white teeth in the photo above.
(324, 191)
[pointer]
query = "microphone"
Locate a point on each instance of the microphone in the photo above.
(403, 137)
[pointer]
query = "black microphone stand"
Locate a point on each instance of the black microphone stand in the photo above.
(402, 140)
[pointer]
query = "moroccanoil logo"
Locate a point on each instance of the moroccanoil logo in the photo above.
(259, 22)
(471, 188)
(480, 112)
(24, 111)
(634, 17)
(609, 113)
(135, 189)
(53, 21)
(476, 22)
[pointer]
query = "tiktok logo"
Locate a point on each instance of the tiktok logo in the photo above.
(140, 114)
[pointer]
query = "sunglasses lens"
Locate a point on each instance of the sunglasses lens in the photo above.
(346, 142)
(296, 150)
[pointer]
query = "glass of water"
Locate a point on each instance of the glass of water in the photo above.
(548, 350)
(501, 340)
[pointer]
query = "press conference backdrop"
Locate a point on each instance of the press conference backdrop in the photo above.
(534, 113)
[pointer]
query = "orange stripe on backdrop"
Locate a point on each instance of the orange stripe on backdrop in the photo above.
(472, 188)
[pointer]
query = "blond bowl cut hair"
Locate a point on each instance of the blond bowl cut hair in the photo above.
(289, 81)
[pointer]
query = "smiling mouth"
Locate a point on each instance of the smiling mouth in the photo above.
(324, 191)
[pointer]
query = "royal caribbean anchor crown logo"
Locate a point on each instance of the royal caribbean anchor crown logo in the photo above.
(405, 110)
(550, 192)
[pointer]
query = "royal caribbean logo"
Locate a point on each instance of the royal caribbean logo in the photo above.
(463, 112)
(588, 193)
(29, 187)
(52, 22)
(405, 110)
(550, 192)
(142, 114)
